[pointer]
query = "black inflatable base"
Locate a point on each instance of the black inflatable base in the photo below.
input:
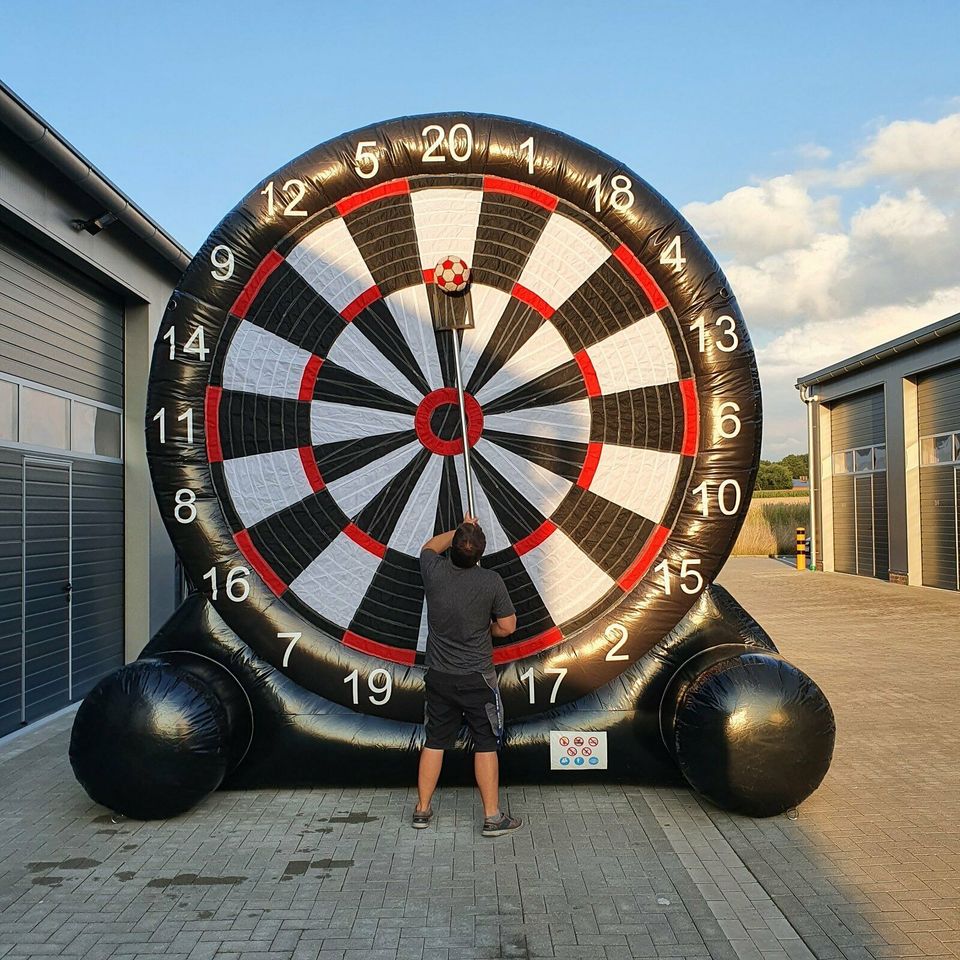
(713, 703)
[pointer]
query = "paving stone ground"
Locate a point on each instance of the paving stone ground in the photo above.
(871, 867)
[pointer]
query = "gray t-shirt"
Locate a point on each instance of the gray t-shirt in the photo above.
(460, 605)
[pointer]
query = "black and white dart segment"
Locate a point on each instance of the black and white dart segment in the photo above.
(332, 425)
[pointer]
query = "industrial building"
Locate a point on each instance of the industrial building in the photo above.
(885, 452)
(87, 572)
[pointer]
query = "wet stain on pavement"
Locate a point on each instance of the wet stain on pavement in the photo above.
(74, 863)
(352, 818)
(195, 880)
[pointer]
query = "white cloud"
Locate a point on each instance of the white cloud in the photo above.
(755, 221)
(900, 218)
(835, 260)
(814, 152)
(910, 147)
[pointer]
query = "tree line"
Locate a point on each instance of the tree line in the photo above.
(780, 474)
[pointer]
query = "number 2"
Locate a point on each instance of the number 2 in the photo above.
(617, 633)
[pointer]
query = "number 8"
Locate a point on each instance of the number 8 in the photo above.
(185, 500)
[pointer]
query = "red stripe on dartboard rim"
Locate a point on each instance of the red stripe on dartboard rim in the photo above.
(256, 560)
(590, 463)
(308, 461)
(640, 273)
(364, 540)
(350, 311)
(588, 372)
(524, 648)
(523, 190)
(534, 539)
(211, 423)
(248, 294)
(309, 379)
(637, 570)
(532, 300)
(691, 418)
(392, 189)
(380, 650)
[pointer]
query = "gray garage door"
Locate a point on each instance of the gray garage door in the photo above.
(938, 403)
(61, 483)
(860, 543)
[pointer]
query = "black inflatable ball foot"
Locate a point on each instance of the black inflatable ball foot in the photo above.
(155, 737)
(749, 731)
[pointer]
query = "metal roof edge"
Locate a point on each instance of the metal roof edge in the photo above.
(30, 127)
(909, 341)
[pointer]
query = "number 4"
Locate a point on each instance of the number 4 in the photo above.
(671, 255)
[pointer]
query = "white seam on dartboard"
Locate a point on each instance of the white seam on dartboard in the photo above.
(687, 825)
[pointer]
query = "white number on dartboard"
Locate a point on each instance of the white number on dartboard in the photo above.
(221, 256)
(728, 329)
(729, 422)
(527, 147)
(728, 497)
(293, 638)
(621, 192)
(380, 684)
(617, 634)
(294, 191)
(459, 152)
(527, 676)
(237, 587)
(671, 255)
(195, 344)
(185, 510)
(365, 156)
(691, 580)
(160, 418)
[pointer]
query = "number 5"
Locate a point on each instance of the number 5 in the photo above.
(362, 155)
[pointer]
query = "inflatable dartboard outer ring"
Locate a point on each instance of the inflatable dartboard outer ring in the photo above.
(715, 401)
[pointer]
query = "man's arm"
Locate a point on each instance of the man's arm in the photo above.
(442, 541)
(503, 617)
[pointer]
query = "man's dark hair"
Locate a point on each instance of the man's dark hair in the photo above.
(468, 545)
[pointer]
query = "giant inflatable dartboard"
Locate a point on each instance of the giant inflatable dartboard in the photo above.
(304, 433)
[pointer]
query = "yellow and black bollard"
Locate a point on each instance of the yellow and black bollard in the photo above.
(801, 548)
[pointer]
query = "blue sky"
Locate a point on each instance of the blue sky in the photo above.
(187, 105)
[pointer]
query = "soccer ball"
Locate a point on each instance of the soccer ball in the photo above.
(451, 275)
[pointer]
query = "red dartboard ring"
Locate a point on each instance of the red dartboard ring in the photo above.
(612, 397)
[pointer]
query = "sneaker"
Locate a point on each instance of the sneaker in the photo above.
(499, 825)
(422, 818)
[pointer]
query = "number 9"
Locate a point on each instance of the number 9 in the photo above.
(221, 256)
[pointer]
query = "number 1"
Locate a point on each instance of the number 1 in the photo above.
(527, 145)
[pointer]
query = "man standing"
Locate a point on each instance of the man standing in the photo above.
(466, 606)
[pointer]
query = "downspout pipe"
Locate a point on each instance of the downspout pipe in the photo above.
(809, 400)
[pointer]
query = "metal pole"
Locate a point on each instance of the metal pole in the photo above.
(812, 473)
(471, 509)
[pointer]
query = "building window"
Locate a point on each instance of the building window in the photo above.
(860, 460)
(34, 417)
(9, 409)
(44, 419)
(939, 449)
(95, 430)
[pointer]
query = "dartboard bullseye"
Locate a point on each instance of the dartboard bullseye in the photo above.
(610, 393)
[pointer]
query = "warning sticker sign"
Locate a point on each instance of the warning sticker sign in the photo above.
(578, 750)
